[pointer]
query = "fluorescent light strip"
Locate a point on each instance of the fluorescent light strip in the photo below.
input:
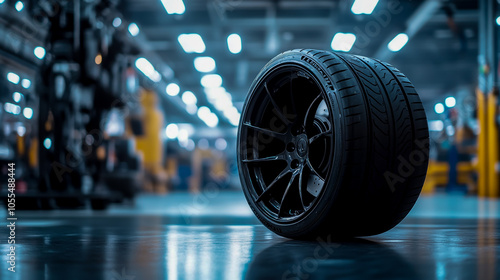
(28, 113)
(450, 102)
(174, 6)
(191, 43)
(204, 64)
(221, 100)
(148, 69)
(343, 42)
(363, 6)
(398, 42)
(208, 117)
(133, 29)
(211, 81)
(172, 89)
(19, 6)
(189, 98)
(13, 78)
(39, 52)
(234, 43)
(16, 96)
(439, 108)
(117, 22)
(12, 108)
(26, 83)
(172, 131)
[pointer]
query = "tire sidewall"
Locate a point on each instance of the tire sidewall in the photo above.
(310, 222)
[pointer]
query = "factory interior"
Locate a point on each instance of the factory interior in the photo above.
(119, 126)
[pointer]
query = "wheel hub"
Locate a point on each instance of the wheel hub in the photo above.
(297, 148)
(302, 146)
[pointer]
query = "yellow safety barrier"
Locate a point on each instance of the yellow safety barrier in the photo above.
(438, 172)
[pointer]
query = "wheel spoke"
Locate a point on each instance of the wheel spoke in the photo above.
(309, 109)
(291, 95)
(264, 159)
(275, 172)
(314, 170)
(277, 109)
(268, 188)
(286, 192)
(274, 134)
(315, 137)
(300, 189)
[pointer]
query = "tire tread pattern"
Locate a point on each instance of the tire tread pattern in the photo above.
(385, 123)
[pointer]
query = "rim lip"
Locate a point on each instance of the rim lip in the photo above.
(250, 192)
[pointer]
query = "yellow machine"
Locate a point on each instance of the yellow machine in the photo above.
(150, 143)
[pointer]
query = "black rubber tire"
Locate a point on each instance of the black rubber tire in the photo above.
(381, 146)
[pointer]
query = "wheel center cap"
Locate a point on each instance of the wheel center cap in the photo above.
(302, 146)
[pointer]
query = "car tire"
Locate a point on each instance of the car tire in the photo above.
(331, 144)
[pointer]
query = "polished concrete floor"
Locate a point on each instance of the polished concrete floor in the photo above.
(215, 236)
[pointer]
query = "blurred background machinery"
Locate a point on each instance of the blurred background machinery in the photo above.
(102, 99)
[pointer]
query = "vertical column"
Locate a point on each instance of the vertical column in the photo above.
(487, 96)
(493, 137)
(483, 88)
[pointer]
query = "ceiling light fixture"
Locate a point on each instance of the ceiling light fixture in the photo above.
(234, 43)
(174, 6)
(191, 43)
(398, 42)
(133, 29)
(204, 64)
(363, 6)
(211, 81)
(343, 42)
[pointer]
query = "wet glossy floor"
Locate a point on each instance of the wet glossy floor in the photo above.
(216, 237)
